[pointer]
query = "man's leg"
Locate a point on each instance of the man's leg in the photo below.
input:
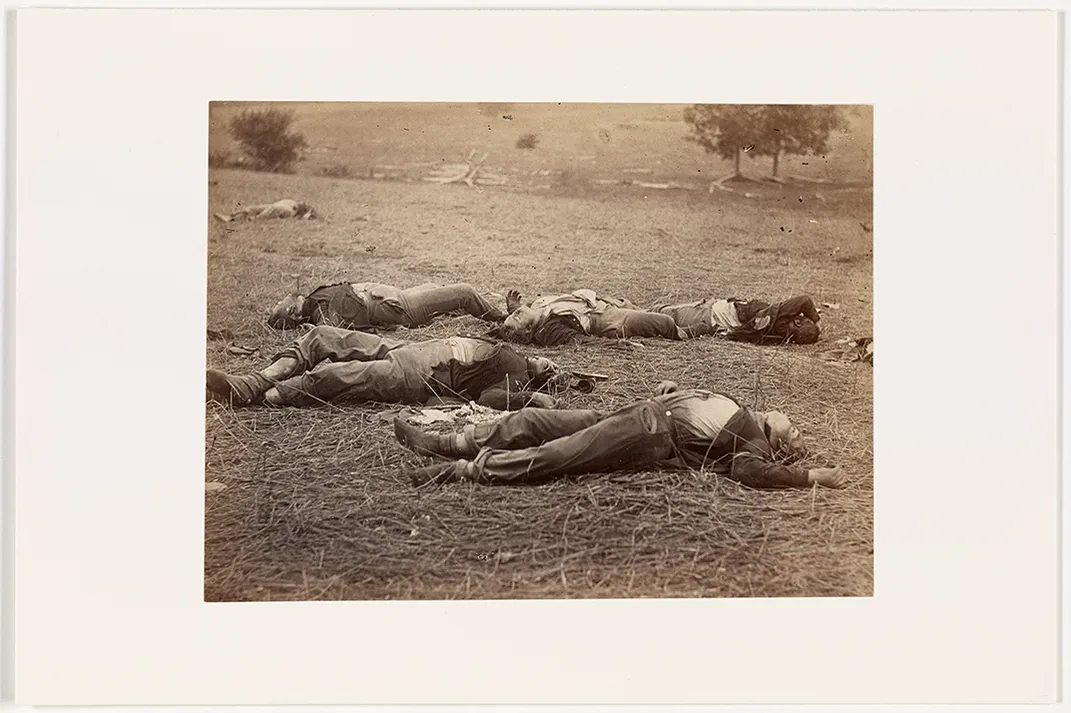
(339, 345)
(624, 323)
(509, 400)
(426, 303)
(382, 381)
(249, 389)
(520, 429)
(635, 436)
(421, 288)
(317, 345)
(686, 315)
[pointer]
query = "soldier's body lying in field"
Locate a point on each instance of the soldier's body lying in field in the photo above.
(794, 320)
(365, 305)
(285, 208)
(676, 428)
(556, 319)
(330, 364)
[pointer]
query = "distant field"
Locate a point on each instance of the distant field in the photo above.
(317, 504)
(592, 141)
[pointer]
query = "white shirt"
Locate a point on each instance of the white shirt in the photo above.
(579, 303)
(723, 314)
(703, 413)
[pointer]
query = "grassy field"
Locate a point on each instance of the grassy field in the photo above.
(316, 503)
(575, 142)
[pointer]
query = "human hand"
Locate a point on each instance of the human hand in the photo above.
(665, 387)
(542, 401)
(828, 477)
(513, 300)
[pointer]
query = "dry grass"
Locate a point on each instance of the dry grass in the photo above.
(318, 505)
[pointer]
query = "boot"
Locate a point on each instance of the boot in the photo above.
(438, 473)
(430, 444)
(282, 368)
(244, 390)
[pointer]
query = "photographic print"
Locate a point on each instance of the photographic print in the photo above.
(554, 351)
(557, 356)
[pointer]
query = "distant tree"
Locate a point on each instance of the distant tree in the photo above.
(730, 130)
(264, 136)
(798, 130)
(724, 129)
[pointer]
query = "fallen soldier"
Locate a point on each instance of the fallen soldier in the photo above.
(366, 305)
(551, 320)
(794, 320)
(676, 428)
(285, 208)
(329, 365)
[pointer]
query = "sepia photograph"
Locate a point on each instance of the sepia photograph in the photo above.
(549, 351)
(494, 350)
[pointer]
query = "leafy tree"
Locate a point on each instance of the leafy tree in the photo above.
(724, 129)
(798, 130)
(774, 130)
(264, 136)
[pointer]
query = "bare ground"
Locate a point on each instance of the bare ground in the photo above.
(317, 504)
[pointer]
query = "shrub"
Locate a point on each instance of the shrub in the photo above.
(528, 141)
(219, 159)
(265, 137)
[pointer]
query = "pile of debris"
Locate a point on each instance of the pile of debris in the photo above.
(471, 173)
(851, 350)
(449, 415)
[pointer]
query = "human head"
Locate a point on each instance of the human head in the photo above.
(287, 314)
(304, 210)
(784, 437)
(801, 330)
(519, 324)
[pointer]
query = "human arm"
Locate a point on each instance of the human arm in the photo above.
(801, 304)
(755, 472)
(696, 330)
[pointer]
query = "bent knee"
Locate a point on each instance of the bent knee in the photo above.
(653, 417)
(319, 331)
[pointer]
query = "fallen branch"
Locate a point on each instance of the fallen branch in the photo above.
(805, 179)
(469, 173)
(720, 184)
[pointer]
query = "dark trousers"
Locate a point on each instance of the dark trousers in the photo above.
(535, 445)
(337, 364)
(419, 305)
(618, 323)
